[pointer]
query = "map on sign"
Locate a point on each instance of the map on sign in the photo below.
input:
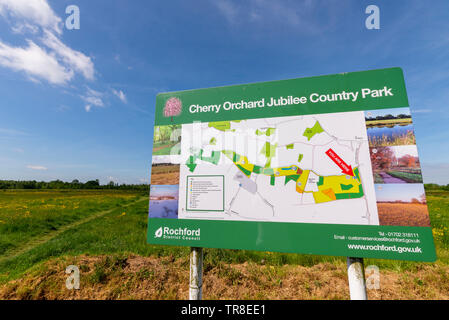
(311, 168)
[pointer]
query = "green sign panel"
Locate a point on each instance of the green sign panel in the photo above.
(323, 165)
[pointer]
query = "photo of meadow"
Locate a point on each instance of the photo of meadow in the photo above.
(167, 140)
(390, 127)
(396, 164)
(402, 205)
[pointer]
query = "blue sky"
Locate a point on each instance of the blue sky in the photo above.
(79, 103)
(403, 192)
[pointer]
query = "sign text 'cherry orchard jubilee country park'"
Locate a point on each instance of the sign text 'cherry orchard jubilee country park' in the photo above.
(291, 100)
(318, 165)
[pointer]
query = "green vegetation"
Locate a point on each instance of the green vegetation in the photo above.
(220, 125)
(160, 149)
(438, 204)
(378, 178)
(214, 158)
(31, 221)
(346, 186)
(61, 185)
(269, 151)
(293, 177)
(36, 226)
(350, 195)
(309, 133)
(409, 177)
(267, 132)
(165, 138)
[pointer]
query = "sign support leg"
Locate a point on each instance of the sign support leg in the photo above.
(356, 278)
(196, 274)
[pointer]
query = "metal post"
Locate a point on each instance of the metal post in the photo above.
(196, 274)
(356, 278)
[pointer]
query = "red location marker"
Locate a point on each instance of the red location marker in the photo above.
(345, 168)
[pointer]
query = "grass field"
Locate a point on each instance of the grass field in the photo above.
(104, 233)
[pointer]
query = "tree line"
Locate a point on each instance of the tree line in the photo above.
(95, 184)
(388, 117)
(434, 186)
(75, 184)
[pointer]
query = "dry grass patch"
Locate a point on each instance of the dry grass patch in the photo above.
(135, 277)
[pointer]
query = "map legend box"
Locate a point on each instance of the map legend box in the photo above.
(205, 193)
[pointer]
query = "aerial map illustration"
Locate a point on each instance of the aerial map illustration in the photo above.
(295, 169)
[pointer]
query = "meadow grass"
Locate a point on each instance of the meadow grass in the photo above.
(393, 140)
(122, 232)
(27, 214)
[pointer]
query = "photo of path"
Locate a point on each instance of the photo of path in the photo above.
(167, 140)
(390, 127)
(396, 164)
(402, 205)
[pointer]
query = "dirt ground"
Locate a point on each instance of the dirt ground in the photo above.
(138, 277)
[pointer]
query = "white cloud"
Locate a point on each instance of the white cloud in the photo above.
(45, 57)
(93, 99)
(227, 9)
(38, 12)
(75, 59)
(421, 110)
(144, 180)
(12, 132)
(23, 28)
(267, 13)
(40, 168)
(120, 94)
(35, 62)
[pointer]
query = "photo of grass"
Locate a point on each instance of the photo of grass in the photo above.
(402, 205)
(396, 164)
(165, 174)
(390, 127)
(164, 201)
(167, 140)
